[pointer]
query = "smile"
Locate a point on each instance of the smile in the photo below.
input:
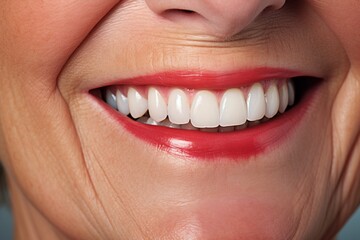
(206, 115)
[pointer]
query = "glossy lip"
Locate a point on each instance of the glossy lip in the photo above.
(237, 146)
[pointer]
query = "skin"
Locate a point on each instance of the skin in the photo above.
(74, 173)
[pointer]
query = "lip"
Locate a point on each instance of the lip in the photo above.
(235, 146)
(210, 80)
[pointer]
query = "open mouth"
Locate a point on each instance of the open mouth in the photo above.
(204, 110)
(175, 113)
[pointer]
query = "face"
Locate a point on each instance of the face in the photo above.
(278, 82)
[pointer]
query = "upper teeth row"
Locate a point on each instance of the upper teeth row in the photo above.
(208, 109)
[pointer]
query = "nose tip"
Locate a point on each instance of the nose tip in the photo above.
(214, 17)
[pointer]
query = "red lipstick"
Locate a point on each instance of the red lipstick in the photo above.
(210, 80)
(239, 145)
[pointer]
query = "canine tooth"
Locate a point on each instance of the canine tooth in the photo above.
(232, 108)
(137, 104)
(291, 92)
(178, 107)
(110, 98)
(157, 105)
(272, 101)
(205, 110)
(284, 98)
(122, 103)
(256, 103)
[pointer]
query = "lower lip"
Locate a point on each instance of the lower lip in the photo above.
(236, 146)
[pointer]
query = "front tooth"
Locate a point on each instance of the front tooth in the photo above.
(272, 101)
(122, 103)
(284, 98)
(178, 107)
(110, 98)
(256, 103)
(291, 92)
(205, 110)
(137, 104)
(232, 108)
(157, 105)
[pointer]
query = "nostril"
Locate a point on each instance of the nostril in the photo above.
(179, 11)
(180, 14)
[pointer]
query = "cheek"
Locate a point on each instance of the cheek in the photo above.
(44, 166)
(40, 36)
(37, 38)
(343, 18)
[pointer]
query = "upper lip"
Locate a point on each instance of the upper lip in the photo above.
(210, 79)
(196, 144)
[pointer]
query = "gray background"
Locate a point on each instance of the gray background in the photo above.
(350, 232)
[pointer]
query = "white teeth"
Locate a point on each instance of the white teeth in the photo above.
(232, 108)
(284, 98)
(205, 110)
(122, 103)
(110, 98)
(137, 104)
(291, 93)
(157, 105)
(256, 103)
(229, 113)
(178, 107)
(272, 101)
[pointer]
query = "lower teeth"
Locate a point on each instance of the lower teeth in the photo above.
(166, 123)
(141, 106)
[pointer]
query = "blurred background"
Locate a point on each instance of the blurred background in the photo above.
(350, 232)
